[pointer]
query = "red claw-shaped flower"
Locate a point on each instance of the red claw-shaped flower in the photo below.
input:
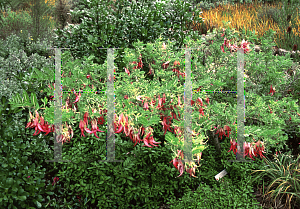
(119, 129)
(207, 100)
(248, 150)
(233, 146)
(77, 97)
(127, 71)
(146, 106)
(200, 100)
(82, 126)
(271, 90)
(146, 140)
(94, 128)
(201, 112)
(191, 171)
(152, 142)
(259, 147)
(175, 162)
(44, 128)
(180, 168)
(178, 165)
(85, 117)
(55, 180)
(228, 129)
(221, 132)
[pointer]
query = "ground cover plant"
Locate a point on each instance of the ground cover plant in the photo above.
(65, 191)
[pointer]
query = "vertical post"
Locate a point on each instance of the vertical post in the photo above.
(57, 109)
(110, 139)
(240, 105)
(188, 155)
(110, 106)
(187, 108)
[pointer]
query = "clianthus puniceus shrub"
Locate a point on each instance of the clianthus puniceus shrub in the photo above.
(161, 106)
(134, 133)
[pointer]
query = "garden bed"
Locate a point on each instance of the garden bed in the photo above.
(214, 165)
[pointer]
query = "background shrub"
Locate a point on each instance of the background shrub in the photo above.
(13, 22)
(103, 27)
(17, 16)
(269, 13)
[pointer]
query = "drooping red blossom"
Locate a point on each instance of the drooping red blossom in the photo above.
(55, 180)
(271, 90)
(233, 146)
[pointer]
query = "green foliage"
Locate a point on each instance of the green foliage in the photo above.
(13, 22)
(3, 5)
(22, 156)
(232, 191)
(16, 19)
(217, 197)
(61, 13)
(17, 5)
(286, 17)
(40, 24)
(17, 190)
(103, 27)
(16, 66)
(284, 174)
(138, 181)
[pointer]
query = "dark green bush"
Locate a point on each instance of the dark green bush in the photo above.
(16, 188)
(140, 180)
(103, 27)
(22, 170)
(22, 155)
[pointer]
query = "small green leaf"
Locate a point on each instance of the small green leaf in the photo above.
(22, 198)
(34, 100)
(25, 96)
(14, 189)
(38, 204)
(17, 99)
(45, 100)
(9, 181)
(37, 106)
(3, 100)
